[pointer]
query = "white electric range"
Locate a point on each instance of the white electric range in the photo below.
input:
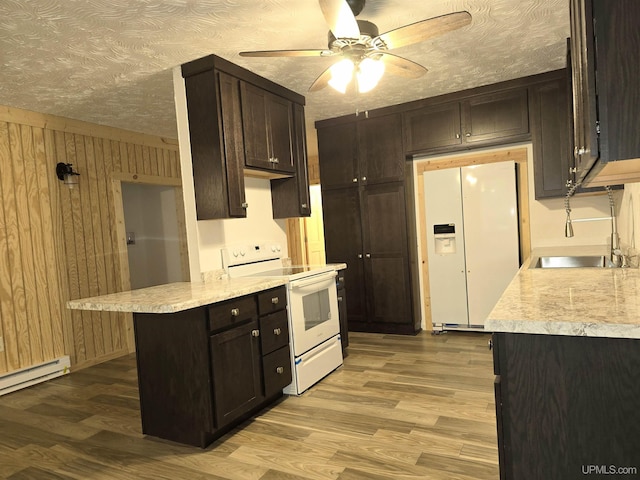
(312, 309)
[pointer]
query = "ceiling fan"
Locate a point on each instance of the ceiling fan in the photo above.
(363, 50)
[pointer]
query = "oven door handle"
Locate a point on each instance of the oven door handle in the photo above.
(317, 279)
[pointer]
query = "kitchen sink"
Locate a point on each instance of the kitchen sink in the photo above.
(597, 261)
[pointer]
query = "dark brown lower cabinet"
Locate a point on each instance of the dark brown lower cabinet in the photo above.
(366, 227)
(567, 407)
(203, 371)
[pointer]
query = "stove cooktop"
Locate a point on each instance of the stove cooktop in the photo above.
(294, 271)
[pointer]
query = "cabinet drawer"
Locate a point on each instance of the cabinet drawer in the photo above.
(274, 331)
(277, 371)
(272, 300)
(237, 310)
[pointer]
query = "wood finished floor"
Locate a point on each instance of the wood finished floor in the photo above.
(400, 408)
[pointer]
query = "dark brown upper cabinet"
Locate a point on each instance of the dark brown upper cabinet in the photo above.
(239, 123)
(361, 152)
(605, 41)
(493, 118)
(285, 190)
(267, 122)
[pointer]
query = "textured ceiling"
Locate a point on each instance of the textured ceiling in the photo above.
(109, 62)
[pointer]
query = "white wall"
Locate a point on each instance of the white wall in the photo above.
(548, 217)
(205, 238)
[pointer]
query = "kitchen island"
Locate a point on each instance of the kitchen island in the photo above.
(209, 355)
(567, 363)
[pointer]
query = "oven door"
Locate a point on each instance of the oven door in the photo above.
(313, 311)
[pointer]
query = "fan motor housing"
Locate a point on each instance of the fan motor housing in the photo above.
(367, 29)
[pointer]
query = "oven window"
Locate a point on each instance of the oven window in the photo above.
(316, 308)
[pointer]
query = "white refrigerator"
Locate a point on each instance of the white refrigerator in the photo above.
(472, 241)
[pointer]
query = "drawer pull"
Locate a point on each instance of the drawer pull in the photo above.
(255, 333)
(341, 279)
(277, 331)
(339, 299)
(280, 370)
(235, 312)
(275, 300)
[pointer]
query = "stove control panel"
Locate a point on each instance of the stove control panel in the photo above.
(239, 254)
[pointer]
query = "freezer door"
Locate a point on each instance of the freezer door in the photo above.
(491, 234)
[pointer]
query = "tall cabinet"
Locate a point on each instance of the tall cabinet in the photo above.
(366, 210)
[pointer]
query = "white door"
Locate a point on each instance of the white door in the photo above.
(446, 252)
(491, 234)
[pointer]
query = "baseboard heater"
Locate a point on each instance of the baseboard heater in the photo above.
(25, 377)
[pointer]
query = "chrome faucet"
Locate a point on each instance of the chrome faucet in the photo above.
(615, 255)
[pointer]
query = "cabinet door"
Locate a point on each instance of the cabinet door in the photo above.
(290, 196)
(432, 128)
(236, 370)
(386, 262)
(280, 126)
(550, 134)
(254, 124)
(380, 153)
(343, 243)
(501, 116)
(233, 143)
(337, 151)
(584, 83)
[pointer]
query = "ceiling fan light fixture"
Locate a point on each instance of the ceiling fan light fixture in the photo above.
(369, 73)
(341, 75)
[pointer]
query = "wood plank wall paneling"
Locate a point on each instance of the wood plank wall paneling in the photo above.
(58, 243)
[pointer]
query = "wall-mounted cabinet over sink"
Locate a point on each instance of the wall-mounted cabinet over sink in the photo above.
(605, 41)
(241, 123)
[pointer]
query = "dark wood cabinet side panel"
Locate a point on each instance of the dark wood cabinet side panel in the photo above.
(209, 176)
(173, 375)
(231, 115)
(618, 70)
(380, 149)
(237, 376)
(569, 402)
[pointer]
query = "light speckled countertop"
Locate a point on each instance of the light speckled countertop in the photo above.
(175, 297)
(593, 302)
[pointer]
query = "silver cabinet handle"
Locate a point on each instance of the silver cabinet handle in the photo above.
(245, 205)
(368, 255)
(255, 333)
(304, 205)
(364, 179)
(339, 299)
(457, 135)
(355, 180)
(235, 312)
(275, 300)
(341, 279)
(467, 134)
(275, 160)
(359, 255)
(277, 331)
(280, 370)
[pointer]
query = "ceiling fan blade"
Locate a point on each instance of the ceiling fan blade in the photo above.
(401, 66)
(322, 81)
(425, 29)
(340, 18)
(288, 53)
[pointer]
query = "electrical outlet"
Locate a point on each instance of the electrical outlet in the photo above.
(1, 344)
